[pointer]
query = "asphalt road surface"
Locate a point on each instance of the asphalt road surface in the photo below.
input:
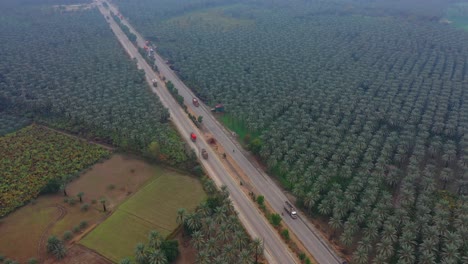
(276, 250)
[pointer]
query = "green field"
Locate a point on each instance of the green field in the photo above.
(154, 207)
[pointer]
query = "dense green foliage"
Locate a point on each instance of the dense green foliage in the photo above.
(34, 156)
(10, 123)
(157, 250)
(67, 70)
(361, 110)
(216, 232)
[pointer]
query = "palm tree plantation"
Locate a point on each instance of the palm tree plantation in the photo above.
(358, 109)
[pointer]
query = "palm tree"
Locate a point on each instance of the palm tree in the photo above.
(80, 196)
(239, 239)
(155, 239)
(181, 216)
(203, 257)
(335, 223)
(157, 256)
(193, 221)
(63, 187)
(55, 246)
(197, 239)
(210, 187)
(426, 257)
(103, 202)
(140, 253)
(360, 255)
(257, 244)
(406, 254)
(212, 246)
(125, 261)
(223, 232)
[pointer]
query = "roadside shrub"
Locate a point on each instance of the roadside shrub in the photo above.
(67, 235)
(85, 207)
(260, 200)
(65, 200)
(111, 187)
(285, 234)
(83, 224)
(302, 256)
(71, 201)
(275, 219)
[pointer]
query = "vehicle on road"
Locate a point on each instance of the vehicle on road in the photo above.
(195, 102)
(290, 209)
(155, 82)
(204, 153)
(193, 137)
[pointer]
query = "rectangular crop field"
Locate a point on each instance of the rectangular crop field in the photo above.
(154, 207)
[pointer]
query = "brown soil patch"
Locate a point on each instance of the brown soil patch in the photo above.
(114, 179)
(187, 254)
(79, 254)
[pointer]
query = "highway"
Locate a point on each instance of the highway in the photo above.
(276, 251)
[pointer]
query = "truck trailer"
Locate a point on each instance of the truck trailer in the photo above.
(290, 209)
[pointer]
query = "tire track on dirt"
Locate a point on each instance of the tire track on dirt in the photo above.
(41, 250)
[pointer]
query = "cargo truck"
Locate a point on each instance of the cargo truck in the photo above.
(204, 153)
(195, 102)
(290, 209)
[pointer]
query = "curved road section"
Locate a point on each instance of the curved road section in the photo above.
(276, 250)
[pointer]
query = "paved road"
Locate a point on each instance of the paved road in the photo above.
(276, 251)
(302, 228)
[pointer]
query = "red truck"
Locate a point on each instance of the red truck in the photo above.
(195, 102)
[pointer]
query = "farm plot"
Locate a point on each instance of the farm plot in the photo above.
(49, 214)
(33, 156)
(154, 207)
